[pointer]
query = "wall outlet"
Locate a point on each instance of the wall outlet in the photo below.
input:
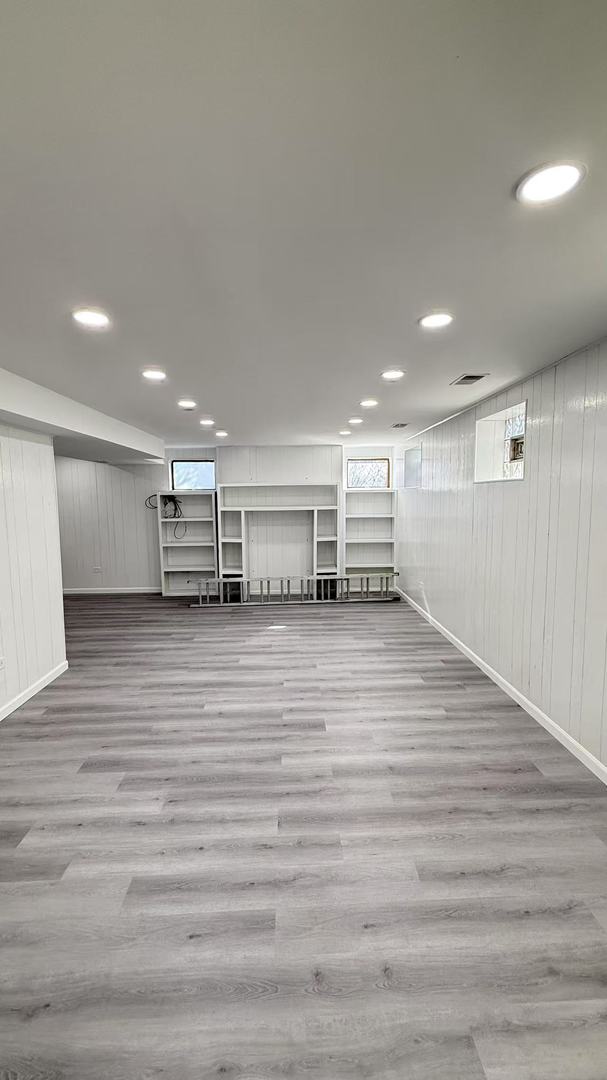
(96, 569)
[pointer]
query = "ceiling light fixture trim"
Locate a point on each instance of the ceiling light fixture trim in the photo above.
(546, 183)
(91, 318)
(436, 320)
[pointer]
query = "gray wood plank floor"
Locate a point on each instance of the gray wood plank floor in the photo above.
(334, 850)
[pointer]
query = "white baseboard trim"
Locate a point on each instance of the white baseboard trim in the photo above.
(571, 744)
(25, 695)
(106, 591)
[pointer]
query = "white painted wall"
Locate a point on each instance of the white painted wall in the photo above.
(32, 641)
(517, 570)
(265, 464)
(104, 523)
(42, 409)
(279, 464)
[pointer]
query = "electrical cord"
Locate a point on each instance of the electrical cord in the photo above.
(172, 503)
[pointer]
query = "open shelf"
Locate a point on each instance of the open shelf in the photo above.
(188, 549)
(280, 509)
(278, 530)
(370, 517)
(277, 496)
(188, 543)
(368, 568)
(370, 540)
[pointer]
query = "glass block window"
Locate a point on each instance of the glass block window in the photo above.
(188, 475)
(500, 445)
(368, 473)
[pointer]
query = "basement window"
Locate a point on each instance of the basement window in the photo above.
(413, 467)
(500, 445)
(368, 473)
(192, 475)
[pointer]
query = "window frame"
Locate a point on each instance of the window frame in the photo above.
(418, 468)
(374, 488)
(193, 461)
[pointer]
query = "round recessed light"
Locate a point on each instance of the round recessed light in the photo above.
(368, 403)
(154, 374)
(392, 374)
(186, 403)
(345, 432)
(436, 320)
(207, 422)
(221, 434)
(91, 318)
(548, 182)
(355, 420)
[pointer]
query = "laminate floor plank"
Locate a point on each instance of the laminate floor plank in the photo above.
(335, 851)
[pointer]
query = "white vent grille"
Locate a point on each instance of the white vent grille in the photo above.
(468, 380)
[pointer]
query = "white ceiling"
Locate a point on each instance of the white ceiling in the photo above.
(266, 194)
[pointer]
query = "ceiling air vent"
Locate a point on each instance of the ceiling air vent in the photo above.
(400, 425)
(468, 380)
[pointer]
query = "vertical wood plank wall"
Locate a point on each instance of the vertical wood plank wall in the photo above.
(279, 464)
(32, 641)
(104, 523)
(517, 571)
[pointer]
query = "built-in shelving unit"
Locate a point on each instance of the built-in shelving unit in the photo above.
(188, 545)
(369, 537)
(278, 530)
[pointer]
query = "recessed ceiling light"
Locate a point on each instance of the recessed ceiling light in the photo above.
(548, 182)
(91, 318)
(154, 374)
(186, 403)
(355, 420)
(368, 403)
(207, 422)
(345, 432)
(277, 626)
(436, 320)
(392, 374)
(221, 434)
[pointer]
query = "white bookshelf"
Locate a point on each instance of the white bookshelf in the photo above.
(278, 530)
(369, 531)
(188, 544)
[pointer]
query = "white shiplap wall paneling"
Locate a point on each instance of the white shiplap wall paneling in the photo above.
(279, 543)
(517, 570)
(279, 464)
(109, 540)
(32, 641)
